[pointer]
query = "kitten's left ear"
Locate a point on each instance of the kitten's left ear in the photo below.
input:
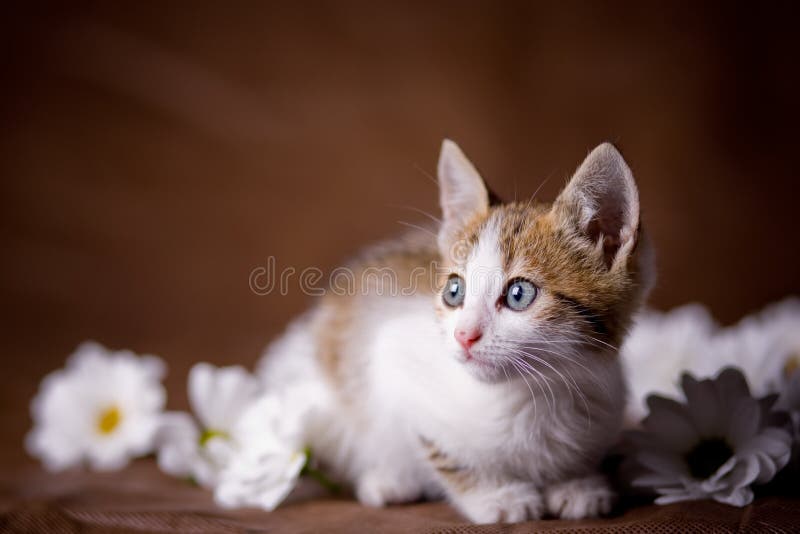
(601, 201)
(462, 194)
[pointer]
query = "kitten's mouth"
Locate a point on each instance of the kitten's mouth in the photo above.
(466, 355)
(482, 368)
(469, 358)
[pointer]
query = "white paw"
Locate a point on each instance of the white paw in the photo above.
(511, 503)
(376, 489)
(580, 498)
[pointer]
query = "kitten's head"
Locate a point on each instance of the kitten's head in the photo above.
(538, 287)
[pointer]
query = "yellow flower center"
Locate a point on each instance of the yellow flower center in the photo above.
(108, 420)
(209, 433)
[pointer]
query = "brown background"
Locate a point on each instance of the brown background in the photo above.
(152, 154)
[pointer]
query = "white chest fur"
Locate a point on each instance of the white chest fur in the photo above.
(415, 379)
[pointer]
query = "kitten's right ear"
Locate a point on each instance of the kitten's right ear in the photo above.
(462, 194)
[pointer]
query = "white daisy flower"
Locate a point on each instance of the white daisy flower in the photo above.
(271, 458)
(102, 409)
(714, 446)
(201, 446)
(246, 445)
(765, 345)
(661, 346)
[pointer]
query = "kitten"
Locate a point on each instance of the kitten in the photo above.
(495, 382)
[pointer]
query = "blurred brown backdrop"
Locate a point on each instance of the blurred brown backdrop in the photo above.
(153, 154)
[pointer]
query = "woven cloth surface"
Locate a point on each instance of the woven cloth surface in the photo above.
(141, 499)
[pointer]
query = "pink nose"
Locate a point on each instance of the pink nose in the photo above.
(467, 338)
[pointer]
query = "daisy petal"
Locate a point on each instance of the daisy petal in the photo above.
(669, 423)
(701, 396)
(661, 462)
(743, 421)
(772, 441)
(736, 497)
(731, 384)
(671, 499)
(656, 480)
(176, 440)
(744, 473)
(201, 378)
(766, 467)
(723, 470)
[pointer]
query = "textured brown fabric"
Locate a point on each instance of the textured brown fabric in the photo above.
(152, 154)
(142, 499)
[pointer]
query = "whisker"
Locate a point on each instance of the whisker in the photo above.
(404, 223)
(571, 360)
(418, 210)
(533, 397)
(581, 313)
(609, 345)
(591, 372)
(563, 378)
(533, 196)
(519, 358)
(426, 174)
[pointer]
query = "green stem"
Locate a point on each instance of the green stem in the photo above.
(318, 475)
(322, 480)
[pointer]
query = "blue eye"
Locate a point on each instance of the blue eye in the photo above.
(520, 294)
(454, 289)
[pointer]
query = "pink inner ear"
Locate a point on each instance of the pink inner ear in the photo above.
(607, 226)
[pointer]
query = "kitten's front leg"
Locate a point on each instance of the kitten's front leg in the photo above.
(379, 487)
(497, 501)
(484, 499)
(580, 498)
